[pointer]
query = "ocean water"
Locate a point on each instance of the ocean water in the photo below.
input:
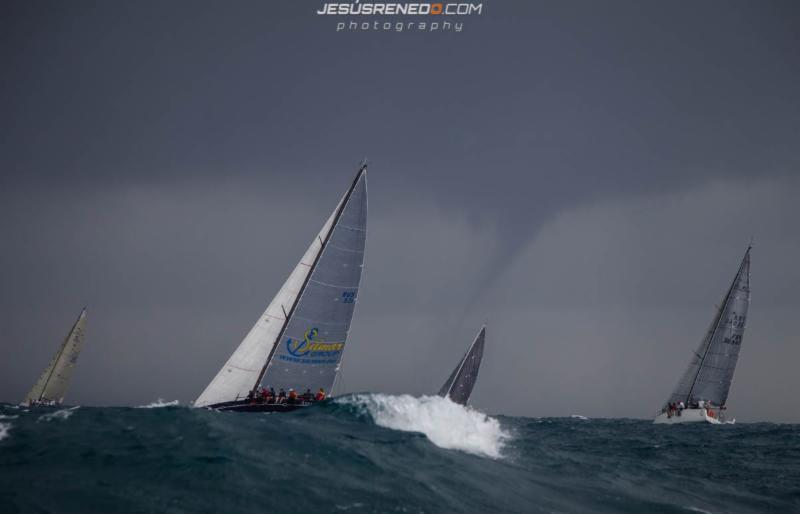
(382, 453)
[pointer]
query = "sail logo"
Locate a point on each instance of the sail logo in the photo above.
(310, 346)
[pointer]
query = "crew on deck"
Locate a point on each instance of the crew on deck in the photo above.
(677, 408)
(267, 395)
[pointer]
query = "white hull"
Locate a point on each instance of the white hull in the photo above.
(689, 416)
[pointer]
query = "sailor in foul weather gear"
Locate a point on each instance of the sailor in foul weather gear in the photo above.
(320, 395)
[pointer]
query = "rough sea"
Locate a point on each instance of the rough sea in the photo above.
(382, 453)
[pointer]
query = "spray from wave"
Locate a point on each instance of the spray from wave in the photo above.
(59, 414)
(446, 424)
(159, 404)
(5, 428)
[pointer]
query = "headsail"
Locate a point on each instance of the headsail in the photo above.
(461, 381)
(53, 383)
(711, 368)
(299, 340)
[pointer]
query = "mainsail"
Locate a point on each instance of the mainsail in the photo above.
(299, 340)
(711, 368)
(461, 381)
(53, 383)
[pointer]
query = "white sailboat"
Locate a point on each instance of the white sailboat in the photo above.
(702, 392)
(298, 342)
(54, 381)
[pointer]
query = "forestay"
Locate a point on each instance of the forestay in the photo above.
(462, 380)
(711, 368)
(52, 385)
(304, 328)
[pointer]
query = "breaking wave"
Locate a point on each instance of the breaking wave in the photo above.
(159, 404)
(445, 423)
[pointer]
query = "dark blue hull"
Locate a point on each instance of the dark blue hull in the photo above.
(248, 406)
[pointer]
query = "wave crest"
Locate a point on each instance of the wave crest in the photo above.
(59, 414)
(159, 404)
(445, 423)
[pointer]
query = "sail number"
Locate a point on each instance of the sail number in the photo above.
(349, 297)
(735, 339)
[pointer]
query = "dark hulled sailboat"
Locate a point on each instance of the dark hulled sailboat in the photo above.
(462, 380)
(298, 342)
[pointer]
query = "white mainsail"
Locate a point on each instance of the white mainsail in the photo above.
(245, 367)
(53, 384)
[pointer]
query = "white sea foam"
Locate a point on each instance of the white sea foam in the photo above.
(5, 428)
(6, 416)
(447, 424)
(578, 416)
(59, 414)
(159, 404)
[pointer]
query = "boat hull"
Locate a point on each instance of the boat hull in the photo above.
(246, 406)
(689, 416)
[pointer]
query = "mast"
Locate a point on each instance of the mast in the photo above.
(361, 170)
(717, 322)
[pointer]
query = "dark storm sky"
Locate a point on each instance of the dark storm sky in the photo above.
(584, 176)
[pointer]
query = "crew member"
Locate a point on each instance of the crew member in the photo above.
(292, 395)
(320, 395)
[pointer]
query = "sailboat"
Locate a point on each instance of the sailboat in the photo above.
(702, 392)
(52, 385)
(297, 343)
(462, 380)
